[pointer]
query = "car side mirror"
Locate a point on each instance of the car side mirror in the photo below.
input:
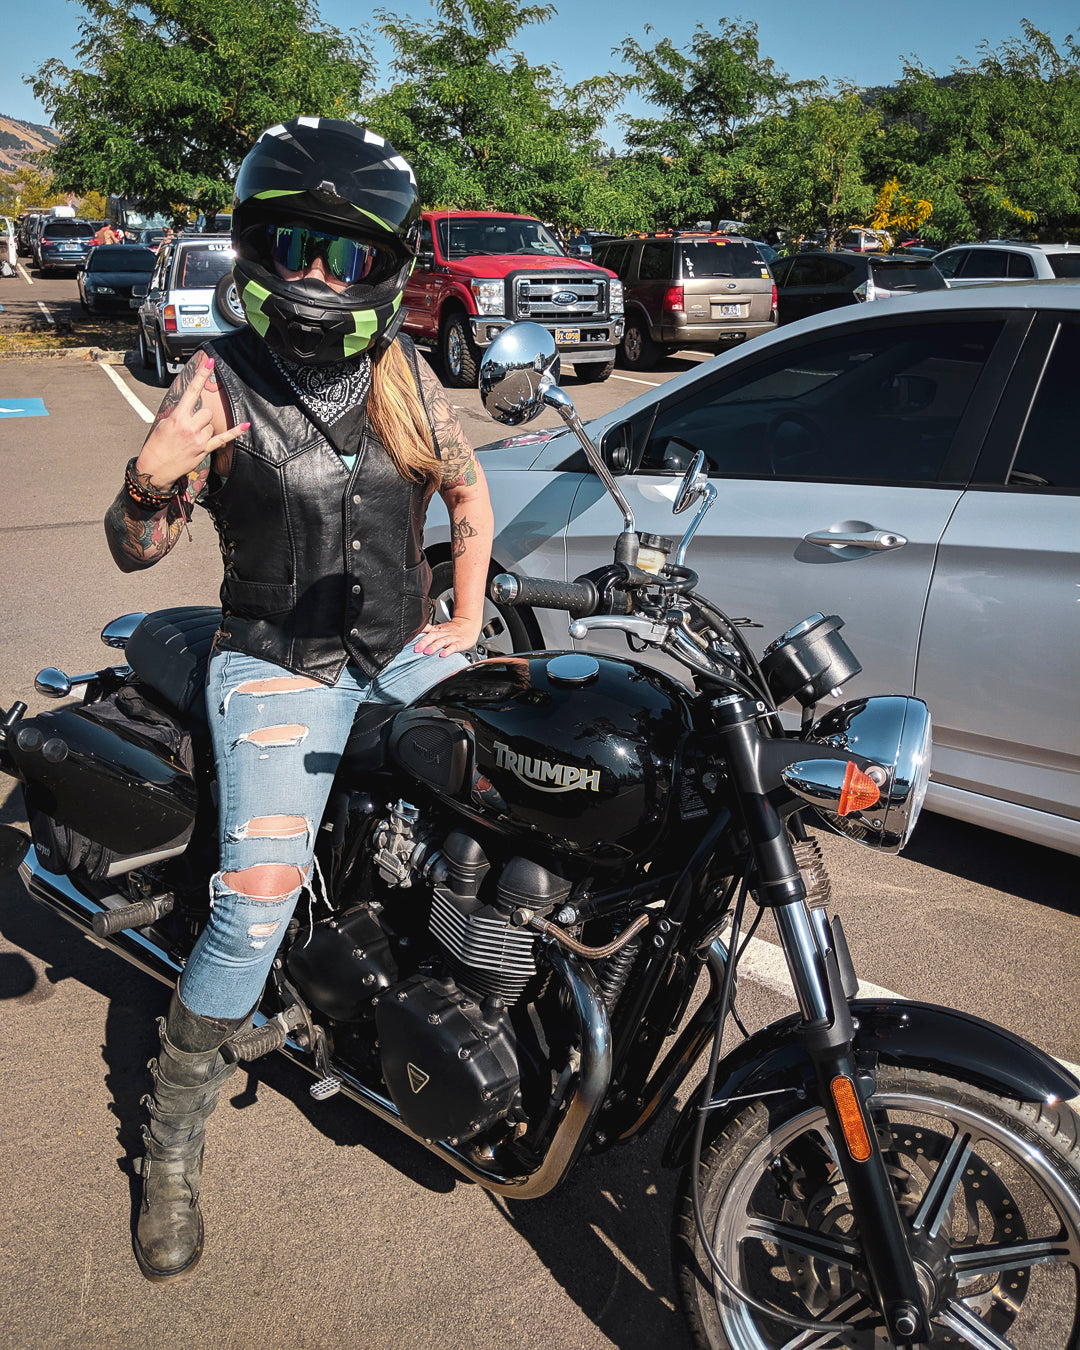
(425, 258)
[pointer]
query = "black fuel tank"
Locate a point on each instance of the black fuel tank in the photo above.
(579, 751)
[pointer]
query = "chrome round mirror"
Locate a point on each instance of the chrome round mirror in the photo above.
(117, 631)
(519, 367)
(693, 486)
(52, 683)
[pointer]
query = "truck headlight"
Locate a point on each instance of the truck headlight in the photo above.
(615, 296)
(488, 295)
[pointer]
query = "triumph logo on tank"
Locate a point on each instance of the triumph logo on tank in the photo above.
(545, 777)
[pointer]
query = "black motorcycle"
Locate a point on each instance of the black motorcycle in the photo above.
(529, 875)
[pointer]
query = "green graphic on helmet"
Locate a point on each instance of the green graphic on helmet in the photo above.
(369, 323)
(252, 298)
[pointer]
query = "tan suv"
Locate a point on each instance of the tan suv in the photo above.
(688, 289)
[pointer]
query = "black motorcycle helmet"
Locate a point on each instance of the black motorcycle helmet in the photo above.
(344, 180)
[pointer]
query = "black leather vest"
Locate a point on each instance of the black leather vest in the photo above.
(322, 566)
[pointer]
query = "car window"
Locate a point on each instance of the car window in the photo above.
(807, 272)
(719, 258)
(615, 256)
(1065, 264)
(115, 258)
(67, 229)
(910, 276)
(1020, 265)
(837, 271)
(878, 405)
(1049, 451)
(427, 239)
(656, 260)
(948, 264)
(203, 267)
(985, 262)
(780, 269)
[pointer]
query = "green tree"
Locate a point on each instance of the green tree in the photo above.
(995, 145)
(481, 126)
(169, 95)
(808, 170)
(710, 97)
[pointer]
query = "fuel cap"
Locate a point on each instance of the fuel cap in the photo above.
(573, 668)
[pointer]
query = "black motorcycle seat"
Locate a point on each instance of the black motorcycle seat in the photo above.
(170, 651)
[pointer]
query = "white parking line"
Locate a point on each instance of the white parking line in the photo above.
(46, 313)
(765, 963)
(25, 274)
(140, 407)
(630, 380)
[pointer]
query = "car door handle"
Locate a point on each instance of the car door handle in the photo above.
(879, 540)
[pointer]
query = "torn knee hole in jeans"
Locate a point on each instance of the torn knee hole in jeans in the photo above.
(275, 684)
(274, 736)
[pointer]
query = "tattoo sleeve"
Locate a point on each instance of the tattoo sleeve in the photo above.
(459, 466)
(138, 536)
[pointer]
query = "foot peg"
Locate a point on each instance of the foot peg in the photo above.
(111, 921)
(254, 1042)
(325, 1087)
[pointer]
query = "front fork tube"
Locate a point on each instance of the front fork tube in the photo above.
(828, 1033)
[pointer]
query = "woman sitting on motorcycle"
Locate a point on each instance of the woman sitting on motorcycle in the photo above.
(315, 438)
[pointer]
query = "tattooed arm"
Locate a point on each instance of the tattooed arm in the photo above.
(464, 490)
(189, 433)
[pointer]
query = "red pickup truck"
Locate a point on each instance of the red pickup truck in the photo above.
(478, 271)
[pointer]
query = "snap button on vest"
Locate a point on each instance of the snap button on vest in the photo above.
(356, 544)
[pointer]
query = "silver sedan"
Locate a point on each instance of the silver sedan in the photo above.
(912, 466)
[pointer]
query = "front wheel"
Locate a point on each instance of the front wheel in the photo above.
(987, 1189)
(506, 630)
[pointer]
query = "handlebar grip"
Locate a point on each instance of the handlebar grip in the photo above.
(578, 598)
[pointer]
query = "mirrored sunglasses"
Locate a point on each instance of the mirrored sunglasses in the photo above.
(296, 247)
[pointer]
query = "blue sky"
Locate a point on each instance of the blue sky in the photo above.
(864, 44)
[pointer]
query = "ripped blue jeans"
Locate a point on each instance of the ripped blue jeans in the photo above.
(278, 738)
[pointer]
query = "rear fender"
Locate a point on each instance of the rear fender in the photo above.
(905, 1035)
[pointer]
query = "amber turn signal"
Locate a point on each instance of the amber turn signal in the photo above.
(851, 1120)
(859, 791)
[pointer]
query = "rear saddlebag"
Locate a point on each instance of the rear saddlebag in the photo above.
(109, 786)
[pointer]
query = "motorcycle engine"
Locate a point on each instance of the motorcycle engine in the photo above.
(447, 1046)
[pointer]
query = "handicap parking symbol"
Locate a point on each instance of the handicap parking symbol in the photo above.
(22, 407)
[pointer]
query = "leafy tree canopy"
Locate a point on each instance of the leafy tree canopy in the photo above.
(169, 95)
(481, 126)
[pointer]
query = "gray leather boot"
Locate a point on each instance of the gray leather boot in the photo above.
(188, 1076)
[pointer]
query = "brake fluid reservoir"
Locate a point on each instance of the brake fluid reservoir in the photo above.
(653, 550)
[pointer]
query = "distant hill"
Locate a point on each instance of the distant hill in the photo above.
(20, 140)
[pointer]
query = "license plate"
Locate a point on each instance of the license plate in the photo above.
(194, 321)
(730, 311)
(69, 248)
(567, 335)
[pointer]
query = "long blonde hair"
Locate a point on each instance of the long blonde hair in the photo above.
(400, 420)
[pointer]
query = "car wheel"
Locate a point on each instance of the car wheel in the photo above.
(160, 368)
(144, 351)
(85, 307)
(638, 350)
(506, 630)
(596, 372)
(460, 359)
(227, 299)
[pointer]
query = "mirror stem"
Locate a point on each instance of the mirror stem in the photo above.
(557, 399)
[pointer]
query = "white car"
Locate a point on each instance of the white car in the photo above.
(911, 467)
(1004, 260)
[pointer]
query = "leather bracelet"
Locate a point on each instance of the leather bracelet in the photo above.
(144, 496)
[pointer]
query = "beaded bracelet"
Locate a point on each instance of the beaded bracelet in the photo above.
(145, 496)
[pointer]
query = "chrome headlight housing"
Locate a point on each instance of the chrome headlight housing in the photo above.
(489, 295)
(615, 296)
(889, 740)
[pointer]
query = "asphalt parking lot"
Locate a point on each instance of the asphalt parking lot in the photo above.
(325, 1227)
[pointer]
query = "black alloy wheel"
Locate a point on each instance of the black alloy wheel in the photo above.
(460, 359)
(638, 350)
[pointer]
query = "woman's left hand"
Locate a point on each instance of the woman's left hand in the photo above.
(446, 638)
